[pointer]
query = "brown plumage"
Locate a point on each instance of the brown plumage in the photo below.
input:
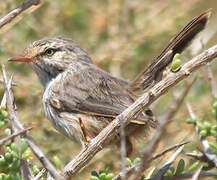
(80, 99)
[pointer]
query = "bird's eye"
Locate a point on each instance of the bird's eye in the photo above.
(49, 52)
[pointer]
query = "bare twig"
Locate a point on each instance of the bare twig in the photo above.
(10, 16)
(146, 154)
(202, 174)
(197, 173)
(40, 174)
(143, 102)
(25, 170)
(130, 169)
(123, 151)
(166, 166)
(211, 158)
(178, 101)
(211, 80)
(15, 120)
(12, 136)
(167, 150)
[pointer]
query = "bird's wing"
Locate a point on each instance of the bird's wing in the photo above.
(91, 91)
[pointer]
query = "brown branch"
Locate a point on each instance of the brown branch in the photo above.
(10, 16)
(143, 102)
(167, 165)
(131, 169)
(146, 153)
(178, 101)
(13, 116)
(40, 174)
(211, 80)
(202, 174)
(167, 150)
(12, 136)
(25, 170)
(197, 173)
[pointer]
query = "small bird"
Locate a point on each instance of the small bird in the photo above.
(80, 99)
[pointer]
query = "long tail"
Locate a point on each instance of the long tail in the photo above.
(153, 73)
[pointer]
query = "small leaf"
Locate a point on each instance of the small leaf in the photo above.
(24, 145)
(57, 161)
(180, 167)
(194, 166)
(203, 133)
(102, 176)
(94, 173)
(109, 176)
(129, 162)
(94, 178)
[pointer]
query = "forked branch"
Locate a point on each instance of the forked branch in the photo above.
(141, 103)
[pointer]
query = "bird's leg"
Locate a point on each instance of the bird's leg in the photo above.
(86, 136)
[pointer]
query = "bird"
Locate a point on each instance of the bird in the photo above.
(80, 99)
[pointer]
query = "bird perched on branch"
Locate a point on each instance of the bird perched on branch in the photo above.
(80, 99)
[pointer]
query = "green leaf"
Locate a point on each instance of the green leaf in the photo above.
(102, 176)
(24, 145)
(57, 161)
(14, 147)
(94, 178)
(180, 167)
(7, 131)
(194, 166)
(109, 176)
(94, 173)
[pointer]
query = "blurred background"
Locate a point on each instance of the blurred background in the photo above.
(122, 37)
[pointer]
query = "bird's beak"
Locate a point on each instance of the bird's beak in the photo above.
(20, 58)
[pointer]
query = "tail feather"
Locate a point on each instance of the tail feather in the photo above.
(153, 73)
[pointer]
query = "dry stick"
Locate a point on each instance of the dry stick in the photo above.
(141, 103)
(146, 153)
(168, 149)
(130, 169)
(178, 101)
(12, 136)
(197, 173)
(202, 174)
(210, 157)
(174, 108)
(15, 120)
(40, 174)
(211, 80)
(25, 170)
(167, 165)
(123, 151)
(10, 16)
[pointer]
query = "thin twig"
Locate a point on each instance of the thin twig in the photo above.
(189, 175)
(211, 80)
(25, 170)
(168, 149)
(167, 165)
(13, 116)
(211, 158)
(146, 153)
(12, 136)
(197, 173)
(178, 101)
(133, 168)
(10, 16)
(123, 151)
(141, 103)
(40, 174)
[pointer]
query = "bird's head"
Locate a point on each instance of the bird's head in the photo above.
(50, 56)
